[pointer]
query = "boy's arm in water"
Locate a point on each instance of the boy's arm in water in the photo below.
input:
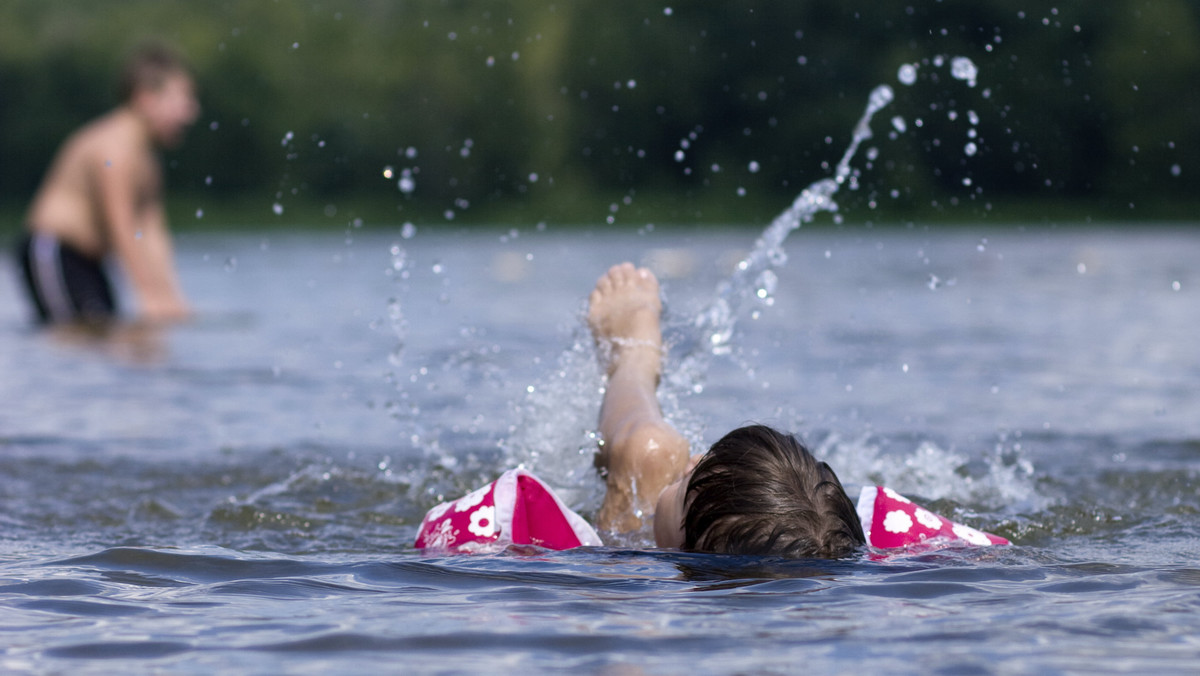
(130, 199)
(641, 452)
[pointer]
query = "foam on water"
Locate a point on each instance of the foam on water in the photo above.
(1001, 481)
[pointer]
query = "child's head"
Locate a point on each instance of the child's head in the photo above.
(759, 491)
(156, 83)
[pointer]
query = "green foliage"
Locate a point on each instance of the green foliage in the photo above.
(553, 109)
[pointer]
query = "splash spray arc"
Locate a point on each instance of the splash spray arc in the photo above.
(555, 434)
(754, 275)
(712, 330)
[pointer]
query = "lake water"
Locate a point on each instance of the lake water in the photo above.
(241, 494)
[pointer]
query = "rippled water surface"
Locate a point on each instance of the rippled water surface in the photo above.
(241, 494)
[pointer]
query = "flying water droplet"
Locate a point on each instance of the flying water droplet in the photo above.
(406, 184)
(880, 97)
(970, 149)
(765, 286)
(907, 74)
(277, 208)
(899, 124)
(964, 69)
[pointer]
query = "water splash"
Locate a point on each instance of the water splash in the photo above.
(1002, 480)
(554, 432)
(396, 320)
(713, 328)
(560, 412)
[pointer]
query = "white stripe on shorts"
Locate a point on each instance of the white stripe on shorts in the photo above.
(48, 274)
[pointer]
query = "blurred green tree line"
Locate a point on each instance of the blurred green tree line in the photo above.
(681, 110)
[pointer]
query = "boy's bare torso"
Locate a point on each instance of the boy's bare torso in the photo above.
(72, 203)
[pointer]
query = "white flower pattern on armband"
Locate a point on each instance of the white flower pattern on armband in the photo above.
(928, 519)
(971, 535)
(443, 536)
(897, 522)
(471, 499)
(483, 522)
(437, 512)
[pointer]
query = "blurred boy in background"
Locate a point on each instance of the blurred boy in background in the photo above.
(103, 195)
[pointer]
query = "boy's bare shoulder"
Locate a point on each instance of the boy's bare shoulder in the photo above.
(107, 140)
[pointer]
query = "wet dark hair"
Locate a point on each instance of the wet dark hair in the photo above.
(759, 491)
(146, 67)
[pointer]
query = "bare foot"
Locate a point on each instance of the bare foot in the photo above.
(623, 314)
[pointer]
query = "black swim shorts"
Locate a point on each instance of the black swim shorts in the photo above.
(64, 284)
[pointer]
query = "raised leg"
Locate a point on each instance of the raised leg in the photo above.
(640, 451)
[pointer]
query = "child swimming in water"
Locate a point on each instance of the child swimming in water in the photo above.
(757, 491)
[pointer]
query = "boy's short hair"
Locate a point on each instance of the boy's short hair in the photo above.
(759, 491)
(146, 67)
